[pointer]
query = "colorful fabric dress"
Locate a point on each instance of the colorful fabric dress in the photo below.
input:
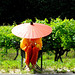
(31, 48)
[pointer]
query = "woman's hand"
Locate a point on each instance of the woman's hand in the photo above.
(38, 46)
(32, 44)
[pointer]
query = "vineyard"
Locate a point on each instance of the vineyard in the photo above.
(61, 41)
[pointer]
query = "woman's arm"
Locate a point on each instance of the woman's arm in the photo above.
(39, 43)
(23, 44)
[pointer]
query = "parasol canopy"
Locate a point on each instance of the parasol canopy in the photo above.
(31, 30)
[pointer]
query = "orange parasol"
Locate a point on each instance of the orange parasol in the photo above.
(31, 30)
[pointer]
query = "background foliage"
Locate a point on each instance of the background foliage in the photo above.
(19, 10)
(7, 39)
(61, 40)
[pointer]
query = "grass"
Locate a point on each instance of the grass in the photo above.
(7, 62)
